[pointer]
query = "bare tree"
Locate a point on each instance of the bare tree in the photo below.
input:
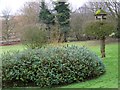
(78, 19)
(8, 25)
(28, 16)
(30, 13)
(94, 6)
(114, 8)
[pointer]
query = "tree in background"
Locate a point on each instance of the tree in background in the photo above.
(78, 19)
(118, 26)
(114, 8)
(8, 25)
(100, 29)
(34, 36)
(46, 17)
(63, 18)
(76, 25)
(29, 13)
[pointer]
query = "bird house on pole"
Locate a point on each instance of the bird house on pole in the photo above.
(100, 14)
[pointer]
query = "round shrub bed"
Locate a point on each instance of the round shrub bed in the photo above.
(48, 67)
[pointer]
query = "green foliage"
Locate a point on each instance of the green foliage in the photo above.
(34, 37)
(45, 15)
(63, 13)
(63, 18)
(117, 33)
(46, 67)
(99, 28)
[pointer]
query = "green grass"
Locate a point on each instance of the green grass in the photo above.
(108, 80)
(12, 48)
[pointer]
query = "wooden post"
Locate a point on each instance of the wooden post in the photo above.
(102, 47)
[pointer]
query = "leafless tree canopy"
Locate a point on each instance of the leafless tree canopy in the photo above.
(8, 24)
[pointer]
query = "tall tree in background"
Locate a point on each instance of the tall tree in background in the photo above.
(78, 19)
(8, 25)
(114, 8)
(46, 17)
(29, 13)
(63, 17)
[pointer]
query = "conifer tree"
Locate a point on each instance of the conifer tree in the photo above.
(63, 18)
(46, 17)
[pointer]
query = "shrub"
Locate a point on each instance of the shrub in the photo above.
(34, 37)
(47, 67)
(99, 29)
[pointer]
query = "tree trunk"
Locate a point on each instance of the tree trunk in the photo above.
(103, 47)
(49, 32)
(65, 37)
(59, 37)
(77, 37)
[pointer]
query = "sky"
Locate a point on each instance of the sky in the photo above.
(15, 5)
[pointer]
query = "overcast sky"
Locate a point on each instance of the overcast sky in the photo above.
(15, 5)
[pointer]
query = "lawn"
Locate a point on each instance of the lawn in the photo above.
(108, 80)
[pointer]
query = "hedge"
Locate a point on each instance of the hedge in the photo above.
(49, 67)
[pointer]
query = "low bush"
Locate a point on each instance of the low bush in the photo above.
(34, 36)
(48, 67)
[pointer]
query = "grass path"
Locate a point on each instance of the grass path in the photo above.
(108, 80)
